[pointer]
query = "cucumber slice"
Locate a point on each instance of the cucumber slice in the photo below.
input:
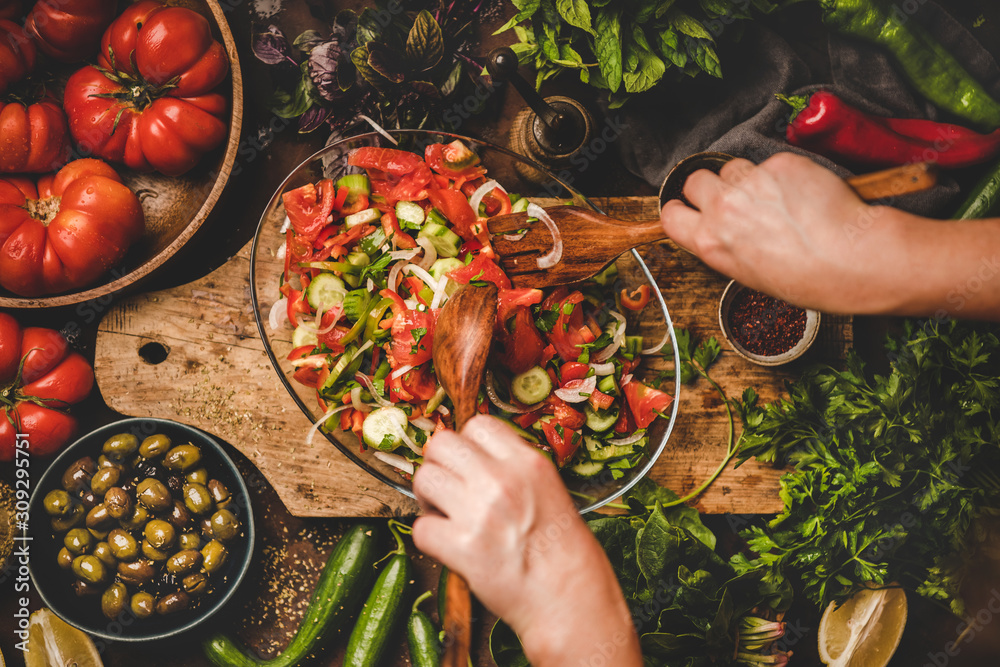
(599, 421)
(607, 276)
(444, 266)
(531, 386)
(437, 217)
(364, 217)
(587, 469)
(520, 206)
(325, 291)
(410, 215)
(356, 184)
(381, 428)
(302, 337)
(606, 385)
(445, 241)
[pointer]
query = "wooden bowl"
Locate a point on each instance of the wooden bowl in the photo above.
(175, 207)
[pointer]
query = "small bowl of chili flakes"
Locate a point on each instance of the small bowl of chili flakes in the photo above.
(764, 329)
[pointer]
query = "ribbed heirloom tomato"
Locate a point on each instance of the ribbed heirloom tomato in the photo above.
(68, 230)
(69, 30)
(149, 101)
(39, 375)
(17, 54)
(33, 137)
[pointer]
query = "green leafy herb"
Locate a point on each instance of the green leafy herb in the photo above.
(376, 268)
(418, 334)
(890, 473)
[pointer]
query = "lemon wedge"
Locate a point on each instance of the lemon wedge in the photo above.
(54, 643)
(865, 631)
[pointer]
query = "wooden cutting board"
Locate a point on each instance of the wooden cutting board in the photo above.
(193, 354)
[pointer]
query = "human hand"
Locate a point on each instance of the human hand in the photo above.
(497, 512)
(795, 230)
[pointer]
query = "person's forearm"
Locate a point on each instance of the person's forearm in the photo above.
(951, 274)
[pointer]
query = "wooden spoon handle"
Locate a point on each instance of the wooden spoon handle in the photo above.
(457, 623)
(895, 182)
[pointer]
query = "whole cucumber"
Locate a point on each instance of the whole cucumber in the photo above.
(341, 587)
(381, 613)
(425, 649)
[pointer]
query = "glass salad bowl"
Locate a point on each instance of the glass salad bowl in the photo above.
(267, 266)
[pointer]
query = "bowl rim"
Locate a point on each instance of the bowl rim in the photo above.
(349, 452)
(67, 453)
(813, 322)
(222, 174)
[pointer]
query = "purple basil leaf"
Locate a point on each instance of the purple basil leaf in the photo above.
(385, 61)
(307, 41)
(344, 25)
(271, 46)
(313, 119)
(323, 64)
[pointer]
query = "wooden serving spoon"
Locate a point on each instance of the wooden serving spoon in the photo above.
(593, 240)
(462, 340)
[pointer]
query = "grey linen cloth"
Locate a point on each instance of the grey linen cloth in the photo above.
(739, 115)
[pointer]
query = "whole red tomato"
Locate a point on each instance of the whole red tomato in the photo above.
(149, 102)
(17, 54)
(39, 376)
(69, 30)
(67, 231)
(34, 138)
(10, 9)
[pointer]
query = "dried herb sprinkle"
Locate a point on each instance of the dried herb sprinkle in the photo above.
(764, 325)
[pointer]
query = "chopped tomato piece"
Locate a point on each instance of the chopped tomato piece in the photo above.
(390, 160)
(564, 445)
(396, 235)
(645, 402)
(413, 186)
(309, 207)
(564, 414)
(569, 332)
(420, 382)
(509, 299)
(573, 370)
(527, 419)
(454, 206)
(314, 378)
(521, 342)
(481, 268)
(412, 338)
(454, 160)
(601, 401)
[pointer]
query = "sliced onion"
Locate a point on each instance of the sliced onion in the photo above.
(423, 423)
(370, 386)
(378, 128)
(356, 401)
(603, 369)
(477, 197)
(659, 346)
(554, 255)
(277, 317)
(443, 410)
(282, 249)
(395, 460)
(440, 294)
(405, 254)
(577, 391)
(626, 379)
(322, 420)
(285, 225)
(430, 253)
(423, 275)
(411, 303)
(628, 440)
(617, 340)
(516, 237)
(405, 437)
(337, 310)
(393, 280)
(370, 286)
(506, 407)
(402, 370)
(314, 361)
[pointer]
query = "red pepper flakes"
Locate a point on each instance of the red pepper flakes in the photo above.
(764, 325)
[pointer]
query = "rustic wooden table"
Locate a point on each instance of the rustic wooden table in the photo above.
(290, 551)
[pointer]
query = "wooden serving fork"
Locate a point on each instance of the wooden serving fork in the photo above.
(593, 240)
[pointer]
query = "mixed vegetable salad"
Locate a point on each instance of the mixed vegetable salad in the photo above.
(370, 260)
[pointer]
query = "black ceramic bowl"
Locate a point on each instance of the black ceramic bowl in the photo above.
(53, 583)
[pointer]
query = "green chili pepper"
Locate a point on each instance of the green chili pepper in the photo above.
(354, 332)
(375, 316)
(984, 201)
(927, 64)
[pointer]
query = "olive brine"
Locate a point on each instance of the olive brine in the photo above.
(146, 526)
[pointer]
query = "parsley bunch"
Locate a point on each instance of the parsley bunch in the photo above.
(889, 473)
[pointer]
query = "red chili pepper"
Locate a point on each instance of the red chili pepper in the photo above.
(825, 124)
(637, 300)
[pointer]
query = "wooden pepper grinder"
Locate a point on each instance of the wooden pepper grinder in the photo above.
(549, 131)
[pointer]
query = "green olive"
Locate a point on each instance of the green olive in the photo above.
(103, 551)
(121, 445)
(173, 602)
(137, 573)
(205, 526)
(160, 533)
(57, 503)
(154, 554)
(189, 541)
(140, 515)
(114, 600)
(78, 541)
(179, 516)
(104, 479)
(220, 494)
(63, 523)
(225, 525)
(154, 495)
(143, 604)
(214, 555)
(82, 588)
(154, 446)
(197, 498)
(183, 562)
(182, 457)
(195, 584)
(99, 519)
(104, 461)
(89, 569)
(198, 476)
(78, 474)
(118, 502)
(64, 558)
(123, 546)
(98, 534)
